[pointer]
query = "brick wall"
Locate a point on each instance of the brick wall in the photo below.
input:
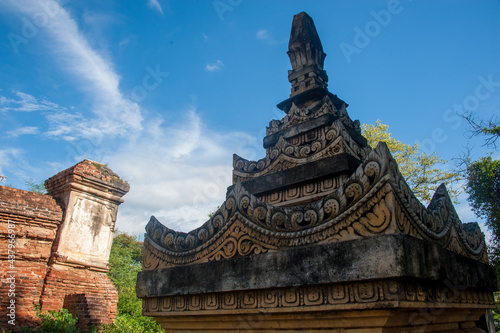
(39, 270)
(35, 219)
(89, 295)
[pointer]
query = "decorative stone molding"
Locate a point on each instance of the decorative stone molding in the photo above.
(62, 242)
(90, 193)
(323, 234)
(374, 200)
(367, 295)
(328, 141)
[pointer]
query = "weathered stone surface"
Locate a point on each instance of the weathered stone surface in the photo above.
(338, 164)
(62, 241)
(306, 56)
(322, 234)
(374, 258)
(90, 193)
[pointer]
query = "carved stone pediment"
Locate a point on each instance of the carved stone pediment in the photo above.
(374, 200)
(322, 234)
(292, 151)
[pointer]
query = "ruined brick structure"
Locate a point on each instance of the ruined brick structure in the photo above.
(62, 245)
(323, 234)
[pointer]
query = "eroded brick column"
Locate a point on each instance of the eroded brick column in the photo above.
(89, 193)
(28, 227)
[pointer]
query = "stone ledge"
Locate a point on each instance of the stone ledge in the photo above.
(325, 120)
(333, 165)
(373, 258)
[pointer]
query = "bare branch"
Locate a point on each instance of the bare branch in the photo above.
(490, 128)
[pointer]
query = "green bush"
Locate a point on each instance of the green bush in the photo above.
(132, 324)
(125, 261)
(54, 322)
(496, 312)
(57, 322)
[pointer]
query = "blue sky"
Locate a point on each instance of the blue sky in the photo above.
(165, 92)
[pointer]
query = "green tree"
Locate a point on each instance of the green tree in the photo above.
(421, 171)
(126, 261)
(483, 188)
(483, 179)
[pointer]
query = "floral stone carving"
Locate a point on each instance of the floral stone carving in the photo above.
(322, 234)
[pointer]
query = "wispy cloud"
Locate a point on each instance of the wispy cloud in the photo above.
(25, 130)
(178, 172)
(113, 114)
(265, 35)
(7, 157)
(127, 40)
(155, 5)
(26, 103)
(216, 66)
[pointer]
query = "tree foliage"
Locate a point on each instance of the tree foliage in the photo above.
(126, 261)
(422, 172)
(483, 188)
(57, 322)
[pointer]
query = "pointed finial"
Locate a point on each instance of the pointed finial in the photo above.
(306, 56)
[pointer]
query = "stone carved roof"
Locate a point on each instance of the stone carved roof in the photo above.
(321, 225)
(284, 155)
(375, 200)
(371, 197)
(327, 130)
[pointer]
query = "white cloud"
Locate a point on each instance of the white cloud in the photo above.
(155, 5)
(26, 103)
(25, 130)
(7, 158)
(264, 35)
(216, 66)
(114, 114)
(127, 40)
(177, 172)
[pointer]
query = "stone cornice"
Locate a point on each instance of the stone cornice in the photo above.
(375, 200)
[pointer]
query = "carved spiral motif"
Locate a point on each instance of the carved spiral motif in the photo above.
(367, 197)
(372, 169)
(354, 191)
(332, 207)
(278, 221)
(324, 144)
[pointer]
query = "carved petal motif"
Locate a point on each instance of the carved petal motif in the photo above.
(374, 200)
(284, 154)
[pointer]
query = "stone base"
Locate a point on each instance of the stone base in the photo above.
(377, 284)
(89, 295)
(369, 321)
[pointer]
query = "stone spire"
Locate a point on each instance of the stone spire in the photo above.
(306, 56)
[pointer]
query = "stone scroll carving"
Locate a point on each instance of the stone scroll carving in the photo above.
(285, 154)
(374, 200)
(351, 295)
